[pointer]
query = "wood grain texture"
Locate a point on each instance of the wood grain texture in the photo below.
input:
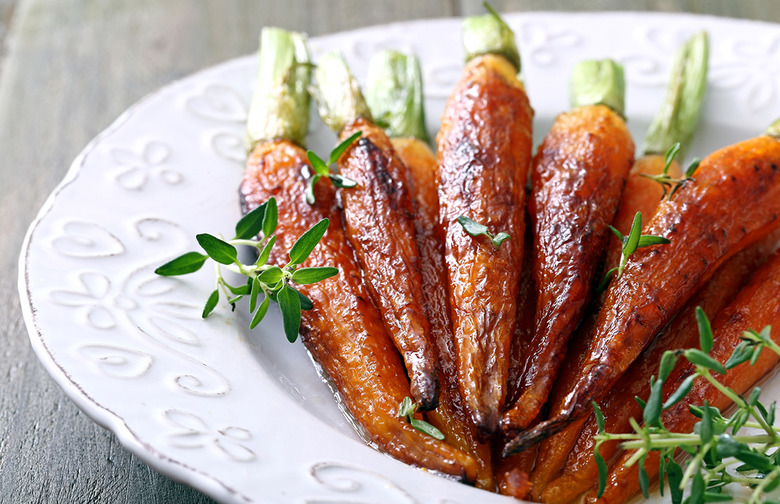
(69, 68)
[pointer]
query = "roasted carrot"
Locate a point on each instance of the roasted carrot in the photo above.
(755, 307)
(675, 123)
(343, 331)
(394, 93)
(378, 217)
(669, 134)
(577, 181)
(524, 324)
(484, 152)
(579, 472)
(733, 201)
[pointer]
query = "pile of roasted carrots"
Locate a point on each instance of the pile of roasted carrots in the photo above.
(473, 280)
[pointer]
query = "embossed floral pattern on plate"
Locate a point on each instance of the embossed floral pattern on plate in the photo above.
(243, 415)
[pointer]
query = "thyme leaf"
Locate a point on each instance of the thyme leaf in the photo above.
(717, 458)
(631, 242)
(476, 229)
(321, 168)
(670, 184)
(407, 409)
(264, 282)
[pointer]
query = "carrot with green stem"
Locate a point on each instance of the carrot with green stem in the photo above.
(484, 153)
(677, 118)
(657, 173)
(342, 328)
(378, 217)
(577, 181)
(579, 470)
(394, 95)
(721, 373)
(731, 201)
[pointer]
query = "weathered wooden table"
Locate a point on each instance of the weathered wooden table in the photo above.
(69, 67)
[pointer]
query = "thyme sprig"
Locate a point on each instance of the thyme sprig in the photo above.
(407, 409)
(670, 184)
(720, 453)
(634, 240)
(322, 169)
(476, 229)
(271, 282)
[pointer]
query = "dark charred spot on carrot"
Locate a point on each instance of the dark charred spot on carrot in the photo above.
(756, 168)
(774, 167)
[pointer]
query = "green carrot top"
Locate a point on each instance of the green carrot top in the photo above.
(394, 94)
(337, 93)
(489, 34)
(280, 102)
(678, 116)
(598, 82)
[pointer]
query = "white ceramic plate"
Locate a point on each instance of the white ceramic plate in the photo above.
(243, 415)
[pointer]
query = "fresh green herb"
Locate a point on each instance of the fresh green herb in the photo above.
(322, 169)
(407, 409)
(669, 183)
(477, 229)
(270, 281)
(634, 240)
(719, 454)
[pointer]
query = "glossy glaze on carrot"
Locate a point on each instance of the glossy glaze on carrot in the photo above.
(579, 471)
(641, 194)
(484, 152)
(755, 307)
(734, 201)
(344, 331)
(378, 217)
(524, 322)
(450, 416)
(577, 181)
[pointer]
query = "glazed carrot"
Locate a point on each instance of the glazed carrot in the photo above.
(524, 324)
(577, 181)
(555, 450)
(484, 151)
(513, 473)
(378, 216)
(394, 93)
(674, 123)
(733, 201)
(755, 307)
(449, 416)
(343, 331)
(579, 472)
